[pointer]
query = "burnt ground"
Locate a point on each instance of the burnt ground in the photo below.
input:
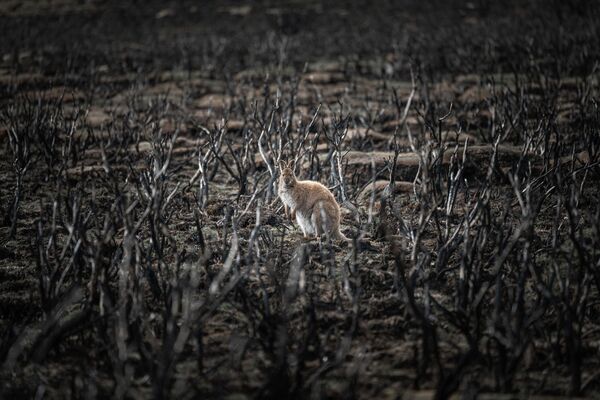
(143, 252)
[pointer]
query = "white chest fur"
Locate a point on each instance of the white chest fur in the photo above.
(287, 199)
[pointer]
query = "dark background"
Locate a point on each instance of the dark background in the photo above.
(226, 36)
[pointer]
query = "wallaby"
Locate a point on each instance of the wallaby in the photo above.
(312, 205)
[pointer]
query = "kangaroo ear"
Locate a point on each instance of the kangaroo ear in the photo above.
(290, 164)
(281, 165)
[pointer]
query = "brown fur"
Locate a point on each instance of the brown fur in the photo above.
(310, 203)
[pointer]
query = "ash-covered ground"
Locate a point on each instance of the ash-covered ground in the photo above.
(144, 252)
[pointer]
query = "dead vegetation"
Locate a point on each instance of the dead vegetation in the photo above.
(144, 252)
